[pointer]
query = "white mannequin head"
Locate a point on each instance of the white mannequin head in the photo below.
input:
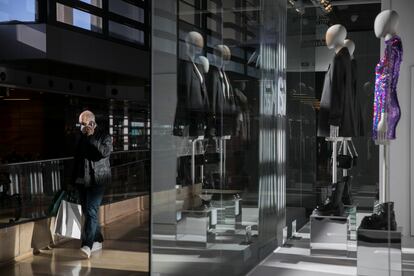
(350, 45)
(386, 24)
(222, 54)
(204, 63)
(195, 44)
(335, 37)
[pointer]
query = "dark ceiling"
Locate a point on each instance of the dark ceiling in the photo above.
(356, 17)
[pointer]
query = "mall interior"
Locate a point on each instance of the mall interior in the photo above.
(206, 137)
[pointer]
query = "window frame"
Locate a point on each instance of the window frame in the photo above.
(106, 17)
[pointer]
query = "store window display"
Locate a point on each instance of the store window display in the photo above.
(219, 161)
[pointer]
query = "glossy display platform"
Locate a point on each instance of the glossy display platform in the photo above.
(379, 252)
(329, 235)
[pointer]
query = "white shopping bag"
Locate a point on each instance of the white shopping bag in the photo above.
(69, 220)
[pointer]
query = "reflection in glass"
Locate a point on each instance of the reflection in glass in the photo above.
(125, 9)
(78, 18)
(22, 10)
(96, 3)
(39, 131)
(218, 143)
(126, 33)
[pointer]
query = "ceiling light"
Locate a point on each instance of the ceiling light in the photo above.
(354, 17)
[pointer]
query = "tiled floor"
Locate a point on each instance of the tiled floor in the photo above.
(125, 252)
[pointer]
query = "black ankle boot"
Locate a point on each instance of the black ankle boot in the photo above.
(347, 195)
(383, 219)
(333, 205)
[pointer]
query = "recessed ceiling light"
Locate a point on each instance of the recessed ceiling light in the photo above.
(354, 17)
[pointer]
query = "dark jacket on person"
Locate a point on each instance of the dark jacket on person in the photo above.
(192, 100)
(337, 102)
(92, 166)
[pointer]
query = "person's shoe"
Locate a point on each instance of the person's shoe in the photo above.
(333, 205)
(96, 246)
(86, 251)
(382, 219)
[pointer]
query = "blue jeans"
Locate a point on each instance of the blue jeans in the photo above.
(90, 199)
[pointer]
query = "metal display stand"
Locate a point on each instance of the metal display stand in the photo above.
(384, 180)
(193, 153)
(195, 227)
(330, 235)
(379, 251)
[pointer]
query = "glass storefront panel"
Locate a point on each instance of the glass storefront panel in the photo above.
(78, 18)
(218, 134)
(309, 162)
(38, 138)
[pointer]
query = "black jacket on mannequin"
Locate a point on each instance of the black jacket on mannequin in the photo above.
(191, 117)
(360, 124)
(222, 103)
(337, 101)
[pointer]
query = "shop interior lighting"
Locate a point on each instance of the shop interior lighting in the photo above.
(298, 6)
(325, 5)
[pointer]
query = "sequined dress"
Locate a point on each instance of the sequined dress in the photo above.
(386, 79)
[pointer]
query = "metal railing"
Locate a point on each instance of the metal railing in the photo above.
(36, 182)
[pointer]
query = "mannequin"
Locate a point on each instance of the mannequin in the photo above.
(205, 64)
(221, 96)
(192, 106)
(337, 115)
(386, 107)
(360, 125)
(243, 118)
(386, 114)
(351, 47)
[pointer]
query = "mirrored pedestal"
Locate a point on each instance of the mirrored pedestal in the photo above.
(196, 227)
(329, 235)
(351, 212)
(379, 252)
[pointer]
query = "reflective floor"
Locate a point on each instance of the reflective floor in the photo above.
(125, 252)
(294, 259)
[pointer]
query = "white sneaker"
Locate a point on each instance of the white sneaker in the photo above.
(96, 246)
(86, 251)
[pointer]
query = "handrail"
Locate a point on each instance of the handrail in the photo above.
(64, 159)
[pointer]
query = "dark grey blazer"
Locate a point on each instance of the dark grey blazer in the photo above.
(337, 101)
(192, 101)
(223, 109)
(360, 125)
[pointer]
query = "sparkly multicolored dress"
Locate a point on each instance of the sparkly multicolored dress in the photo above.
(386, 79)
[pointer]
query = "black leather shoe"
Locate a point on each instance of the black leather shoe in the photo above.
(347, 195)
(383, 219)
(333, 205)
